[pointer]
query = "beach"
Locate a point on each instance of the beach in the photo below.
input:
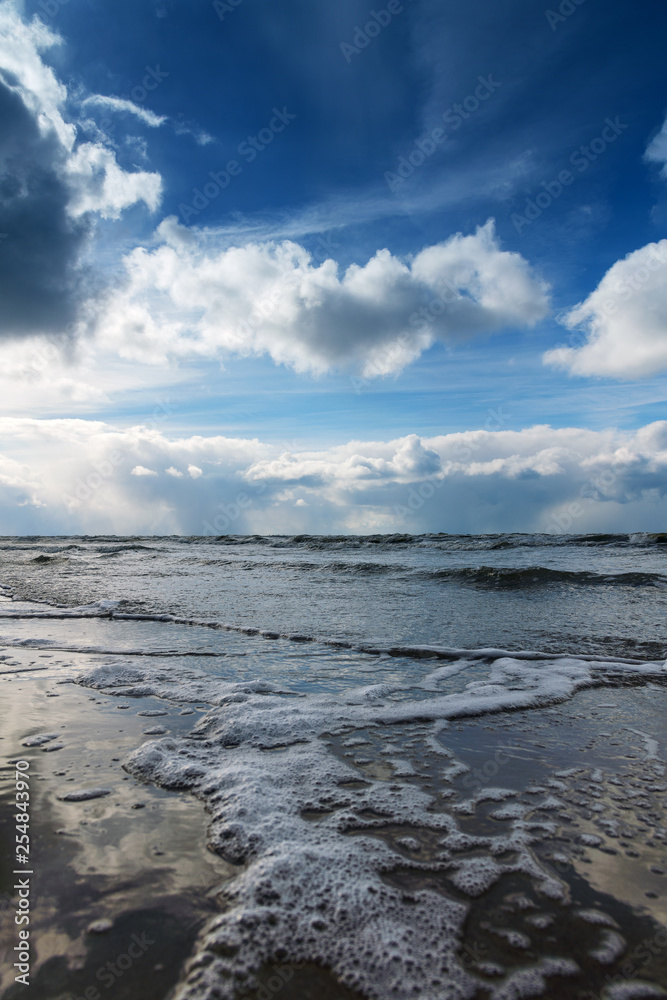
(381, 766)
(333, 500)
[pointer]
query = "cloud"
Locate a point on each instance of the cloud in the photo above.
(200, 135)
(123, 106)
(623, 322)
(99, 185)
(256, 299)
(24, 70)
(405, 460)
(656, 151)
(140, 470)
(41, 282)
(49, 376)
(184, 297)
(78, 476)
(51, 187)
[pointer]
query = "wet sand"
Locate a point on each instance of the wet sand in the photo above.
(603, 836)
(137, 857)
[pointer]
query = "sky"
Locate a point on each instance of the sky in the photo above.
(304, 267)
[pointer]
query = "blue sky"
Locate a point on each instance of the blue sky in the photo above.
(326, 231)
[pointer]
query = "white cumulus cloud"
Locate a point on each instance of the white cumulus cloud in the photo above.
(623, 322)
(140, 470)
(184, 297)
(622, 325)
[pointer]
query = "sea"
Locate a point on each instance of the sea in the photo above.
(422, 766)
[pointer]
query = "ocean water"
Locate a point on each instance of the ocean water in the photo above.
(410, 748)
(600, 593)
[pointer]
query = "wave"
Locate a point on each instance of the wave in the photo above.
(650, 538)
(116, 550)
(60, 647)
(481, 576)
(52, 549)
(540, 576)
(408, 651)
(109, 544)
(493, 576)
(443, 541)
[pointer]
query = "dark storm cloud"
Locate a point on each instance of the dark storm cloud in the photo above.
(40, 278)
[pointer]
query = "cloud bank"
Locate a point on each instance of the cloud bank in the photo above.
(74, 476)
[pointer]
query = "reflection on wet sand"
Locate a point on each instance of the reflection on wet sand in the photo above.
(133, 864)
